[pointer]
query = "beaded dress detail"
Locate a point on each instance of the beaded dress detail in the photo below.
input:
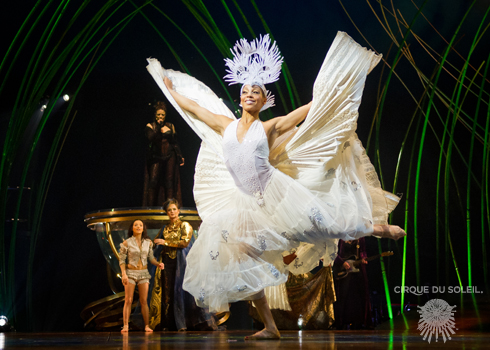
(315, 185)
(251, 174)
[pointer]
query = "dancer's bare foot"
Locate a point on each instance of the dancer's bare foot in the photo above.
(264, 334)
(148, 329)
(125, 329)
(388, 231)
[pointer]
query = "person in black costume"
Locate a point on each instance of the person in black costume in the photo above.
(352, 309)
(162, 178)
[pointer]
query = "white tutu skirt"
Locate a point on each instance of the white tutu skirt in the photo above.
(240, 249)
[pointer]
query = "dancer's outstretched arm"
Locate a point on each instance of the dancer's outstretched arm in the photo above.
(281, 125)
(214, 121)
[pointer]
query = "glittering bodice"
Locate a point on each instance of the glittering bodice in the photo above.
(248, 162)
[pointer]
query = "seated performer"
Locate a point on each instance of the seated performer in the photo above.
(352, 308)
(137, 248)
(263, 188)
(172, 308)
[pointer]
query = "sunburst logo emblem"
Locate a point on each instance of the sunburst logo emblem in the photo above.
(436, 318)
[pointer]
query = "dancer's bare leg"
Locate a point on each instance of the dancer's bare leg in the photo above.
(128, 301)
(388, 231)
(270, 331)
(143, 292)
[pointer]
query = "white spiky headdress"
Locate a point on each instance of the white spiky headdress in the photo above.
(255, 63)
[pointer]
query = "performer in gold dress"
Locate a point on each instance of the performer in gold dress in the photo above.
(171, 308)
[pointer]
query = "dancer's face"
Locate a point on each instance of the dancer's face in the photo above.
(160, 116)
(137, 228)
(173, 212)
(252, 98)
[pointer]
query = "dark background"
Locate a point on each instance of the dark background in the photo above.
(101, 164)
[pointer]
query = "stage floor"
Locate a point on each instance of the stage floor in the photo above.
(470, 332)
(317, 340)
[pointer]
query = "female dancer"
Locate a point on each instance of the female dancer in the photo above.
(252, 213)
(162, 177)
(137, 248)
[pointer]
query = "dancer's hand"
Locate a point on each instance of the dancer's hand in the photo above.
(364, 261)
(161, 266)
(346, 265)
(159, 241)
(125, 279)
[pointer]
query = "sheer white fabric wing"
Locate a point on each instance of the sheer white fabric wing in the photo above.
(213, 184)
(323, 150)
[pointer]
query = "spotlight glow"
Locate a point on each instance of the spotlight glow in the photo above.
(66, 97)
(3, 321)
(43, 108)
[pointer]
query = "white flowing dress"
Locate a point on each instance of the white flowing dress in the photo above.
(315, 186)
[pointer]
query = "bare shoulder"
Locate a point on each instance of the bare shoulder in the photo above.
(270, 125)
(125, 243)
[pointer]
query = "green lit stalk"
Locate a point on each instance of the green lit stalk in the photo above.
(204, 10)
(43, 120)
(34, 143)
(484, 187)
(220, 80)
(468, 207)
(49, 169)
(232, 18)
(455, 263)
(424, 44)
(29, 73)
(424, 128)
(247, 23)
(26, 37)
(287, 78)
(404, 259)
(486, 172)
(449, 154)
(22, 123)
(215, 36)
(385, 283)
(174, 53)
(407, 206)
(48, 33)
(17, 36)
(84, 36)
(378, 121)
(6, 165)
(54, 51)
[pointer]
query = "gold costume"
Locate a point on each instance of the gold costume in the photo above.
(311, 297)
(176, 235)
(163, 314)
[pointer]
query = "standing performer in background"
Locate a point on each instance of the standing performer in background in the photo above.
(138, 248)
(263, 188)
(352, 307)
(162, 177)
(172, 308)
